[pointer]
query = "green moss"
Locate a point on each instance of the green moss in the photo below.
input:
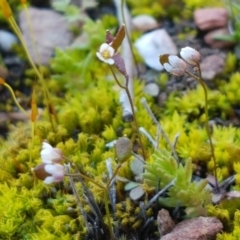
(89, 116)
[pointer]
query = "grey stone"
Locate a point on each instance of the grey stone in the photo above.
(153, 44)
(50, 30)
(151, 89)
(144, 23)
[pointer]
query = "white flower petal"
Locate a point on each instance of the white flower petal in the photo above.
(103, 47)
(46, 156)
(50, 154)
(46, 145)
(100, 57)
(106, 60)
(49, 180)
(110, 61)
(54, 168)
(58, 177)
(174, 60)
(168, 67)
(50, 168)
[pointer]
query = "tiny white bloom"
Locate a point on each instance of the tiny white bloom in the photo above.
(50, 154)
(190, 55)
(56, 172)
(49, 173)
(105, 54)
(175, 65)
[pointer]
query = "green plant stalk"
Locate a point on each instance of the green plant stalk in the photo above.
(33, 136)
(76, 196)
(32, 35)
(45, 89)
(132, 107)
(232, 11)
(113, 176)
(108, 213)
(86, 178)
(199, 79)
(105, 188)
(14, 99)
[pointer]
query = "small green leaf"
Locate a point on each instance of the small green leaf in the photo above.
(136, 193)
(130, 186)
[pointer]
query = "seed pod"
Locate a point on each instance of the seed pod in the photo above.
(123, 149)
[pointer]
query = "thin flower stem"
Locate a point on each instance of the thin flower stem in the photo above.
(132, 107)
(106, 199)
(76, 196)
(79, 174)
(45, 89)
(199, 79)
(32, 35)
(15, 100)
(33, 137)
(109, 183)
(86, 178)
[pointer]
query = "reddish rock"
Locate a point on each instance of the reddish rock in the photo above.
(200, 228)
(164, 222)
(211, 66)
(209, 38)
(210, 18)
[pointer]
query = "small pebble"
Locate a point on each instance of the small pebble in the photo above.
(7, 40)
(144, 23)
(152, 44)
(210, 18)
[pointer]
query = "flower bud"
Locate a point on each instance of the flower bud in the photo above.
(50, 154)
(105, 54)
(173, 64)
(190, 55)
(49, 173)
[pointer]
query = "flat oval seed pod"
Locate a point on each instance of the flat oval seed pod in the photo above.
(123, 149)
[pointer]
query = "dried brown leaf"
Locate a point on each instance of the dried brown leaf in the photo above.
(117, 41)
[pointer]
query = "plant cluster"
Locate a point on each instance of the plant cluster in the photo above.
(61, 177)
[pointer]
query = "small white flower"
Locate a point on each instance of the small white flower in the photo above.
(175, 65)
(56, 171)
(190, 55)
(105, 54)
(49, 173)
(50, 154)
